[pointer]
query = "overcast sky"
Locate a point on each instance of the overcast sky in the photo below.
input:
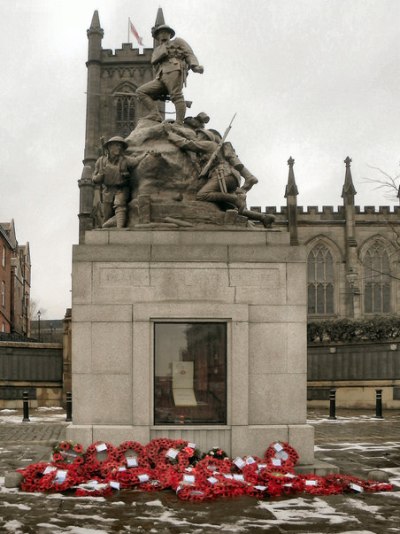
(317, 80)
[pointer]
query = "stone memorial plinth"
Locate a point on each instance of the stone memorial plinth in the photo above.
(125, 281)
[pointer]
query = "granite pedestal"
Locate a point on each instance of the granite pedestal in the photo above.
(125, 280)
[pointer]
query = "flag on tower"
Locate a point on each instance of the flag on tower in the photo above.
(135, 33)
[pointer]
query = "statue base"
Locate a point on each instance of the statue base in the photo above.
(252, 282)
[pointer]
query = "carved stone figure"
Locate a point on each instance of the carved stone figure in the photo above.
(113, 173)
(171, 60)
(197, 122)
(223, 177)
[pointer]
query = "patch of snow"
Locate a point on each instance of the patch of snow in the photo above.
(84, 530)
(300, 510)
(363, 506)
(154, 503)
(19, 506)
(13, 526)
(168, 517)
(49, 408)
(98, 518)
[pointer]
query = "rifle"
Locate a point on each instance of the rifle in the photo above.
(206, 168)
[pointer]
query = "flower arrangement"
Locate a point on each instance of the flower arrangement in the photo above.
(179, 465)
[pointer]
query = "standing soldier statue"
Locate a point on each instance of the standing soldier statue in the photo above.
(113, 172)
(171, 61)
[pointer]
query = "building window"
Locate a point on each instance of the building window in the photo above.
(190, 373)
(125, 120)
(3, 293)
(320, 281)
(376, 280)
(3, 257)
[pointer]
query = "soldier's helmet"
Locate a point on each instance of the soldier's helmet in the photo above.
(117, 139)
(165, 27)
(203, 117)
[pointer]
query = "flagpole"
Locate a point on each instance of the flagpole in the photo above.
(128, 29)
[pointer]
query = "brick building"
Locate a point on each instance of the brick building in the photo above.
(15, 282)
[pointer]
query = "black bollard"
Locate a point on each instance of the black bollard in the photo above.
(69, 407)
(25, 404)
(332, 404)
(378, 404)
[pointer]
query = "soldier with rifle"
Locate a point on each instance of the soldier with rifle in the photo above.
(171, 60)
(223, 179)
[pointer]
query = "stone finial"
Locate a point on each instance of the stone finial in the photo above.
(291, 187)
(95, 25)
(159, 22)
(159, 18)
(348, 190)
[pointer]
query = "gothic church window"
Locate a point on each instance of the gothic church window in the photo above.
(320, 281)
(376, 280)
(125, 114)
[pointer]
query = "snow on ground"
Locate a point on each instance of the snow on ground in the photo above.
(43, 414)
(361, 418)
(300, 510)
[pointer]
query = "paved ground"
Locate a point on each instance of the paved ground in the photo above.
(356, 442)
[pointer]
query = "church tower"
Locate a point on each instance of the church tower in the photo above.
(111, 106)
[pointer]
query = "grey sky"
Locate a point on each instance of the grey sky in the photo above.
(314, 79)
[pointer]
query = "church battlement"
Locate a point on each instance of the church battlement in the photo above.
(331, 212)
(126, 53)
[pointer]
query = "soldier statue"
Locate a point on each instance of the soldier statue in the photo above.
(171, 60)
(113, 173)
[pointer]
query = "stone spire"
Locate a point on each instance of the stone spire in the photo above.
(95, 35)
(348, 191)
(291, 187)
(95, 28)
(353, 294)
(291, 193)
(159, 20)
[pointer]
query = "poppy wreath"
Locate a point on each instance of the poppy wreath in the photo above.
(98, 453)
(282, 454)
(209, 465)
(372, 486)
(167, 476)
(250, 472)
(166, 463)
(217, 453)
(133, 449)
(157, 448)
(193, 453)
(194, 493)
(32, 475)
(314, 484)
(276, 474)
(44, 477)
(280, 481)
(68, 452)
(258, 491)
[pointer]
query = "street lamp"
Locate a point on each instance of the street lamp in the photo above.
(38, 316)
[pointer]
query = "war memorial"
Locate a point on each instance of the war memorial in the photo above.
(188, 308)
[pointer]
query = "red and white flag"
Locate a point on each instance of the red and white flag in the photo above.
(135, 33)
